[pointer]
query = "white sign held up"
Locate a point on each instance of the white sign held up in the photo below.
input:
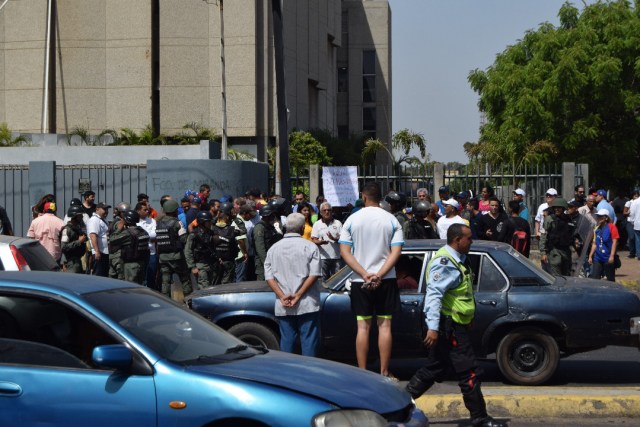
(340, 184)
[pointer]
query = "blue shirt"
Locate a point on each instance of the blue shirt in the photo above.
(524, 211)
(442, 276)
(606, 205)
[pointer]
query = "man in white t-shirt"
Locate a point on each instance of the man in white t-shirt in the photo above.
(370, 243)
(98, 230)
(325, 234)
(450, 217)
(550, 196)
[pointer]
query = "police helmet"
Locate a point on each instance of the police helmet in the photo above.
(75, 202)
(226, 208)
(395, 198)
(170, 206)
(278, 204)
(204, 216)
(131, 217)
(267, 210)
(122, 206)
(559, 202)
(74, 210)
(421, 208)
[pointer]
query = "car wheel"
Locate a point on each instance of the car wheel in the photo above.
(528, 356)
(256, 334)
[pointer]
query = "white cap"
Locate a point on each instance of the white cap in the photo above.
(602, 212)
(520, 192)
(451, 202)
(552, 191)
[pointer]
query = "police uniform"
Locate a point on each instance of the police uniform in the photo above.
(226, 250)
(449, 309)
(556, 243)
(116, 270)
(199, 253)
(170, 239)
(72, 249)
(418, 229)
(264, 236)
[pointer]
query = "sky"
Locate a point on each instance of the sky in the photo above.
(435, 44)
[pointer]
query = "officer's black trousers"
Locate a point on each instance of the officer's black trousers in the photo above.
(453, 350)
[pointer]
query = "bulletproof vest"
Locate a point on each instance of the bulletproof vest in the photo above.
(561, 234)
(420, 230)
(401, 217)
(77, 251)
(138, 248)
(271, 235)
(167, 239)
(203, 248)
(226, 245)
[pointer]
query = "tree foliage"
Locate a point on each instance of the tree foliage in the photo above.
(7, 139)
(567, 93)
(403, 141)
(305, 150)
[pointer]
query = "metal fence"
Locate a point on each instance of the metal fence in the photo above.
(111, 183)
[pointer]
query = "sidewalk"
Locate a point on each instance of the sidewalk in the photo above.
(445, 402)
(540, 402)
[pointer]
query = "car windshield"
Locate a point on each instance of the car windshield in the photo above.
(174, 333)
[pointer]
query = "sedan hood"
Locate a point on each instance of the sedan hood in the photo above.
(336, 383)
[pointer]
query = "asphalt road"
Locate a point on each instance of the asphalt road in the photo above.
(564, 422)
(610, 366)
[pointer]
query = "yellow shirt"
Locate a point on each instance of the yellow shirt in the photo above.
(307, 231)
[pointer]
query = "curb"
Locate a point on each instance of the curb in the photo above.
(540, 402)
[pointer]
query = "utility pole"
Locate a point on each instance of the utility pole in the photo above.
(223, 84)
(155, 67)
(283, 181)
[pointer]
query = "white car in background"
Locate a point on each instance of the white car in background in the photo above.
(21, 253)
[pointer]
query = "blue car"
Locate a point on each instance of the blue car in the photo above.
(80, 350)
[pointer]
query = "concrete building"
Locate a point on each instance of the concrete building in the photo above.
(105, 56)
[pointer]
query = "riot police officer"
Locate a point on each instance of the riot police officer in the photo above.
(449, 310)
(225, 234)
(170, 239)
(74, 240)
(116, 270)
(556, 241)
(199, 251)
(265, 235)
(397, 202)
(133, 244)
(418, 227)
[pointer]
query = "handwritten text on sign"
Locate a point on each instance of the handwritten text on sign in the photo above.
(340, 184)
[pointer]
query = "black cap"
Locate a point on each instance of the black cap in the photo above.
(443, 189)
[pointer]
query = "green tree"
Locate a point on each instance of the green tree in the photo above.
(305, 150)
(403, 141)
(196, 132)
(567, 93)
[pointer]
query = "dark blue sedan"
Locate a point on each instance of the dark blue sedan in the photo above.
(80, 350)
(524, 315)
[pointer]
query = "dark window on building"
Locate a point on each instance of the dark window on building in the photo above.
(369, 89)
(369, 122)
(369, 62)
(343, 79)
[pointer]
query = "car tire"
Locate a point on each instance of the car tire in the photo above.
(256, 334)
(528, 356)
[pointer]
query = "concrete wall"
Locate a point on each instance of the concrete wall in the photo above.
(121, 155)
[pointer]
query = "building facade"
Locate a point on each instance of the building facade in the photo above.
(114, 64)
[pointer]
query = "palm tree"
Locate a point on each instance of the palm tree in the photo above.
(7, 139)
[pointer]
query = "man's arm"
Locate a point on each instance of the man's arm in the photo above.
(351, 261)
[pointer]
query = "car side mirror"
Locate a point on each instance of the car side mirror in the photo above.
(115, 356)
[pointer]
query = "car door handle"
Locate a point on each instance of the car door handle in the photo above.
(8, 389)
(487, 302)
(413, 303)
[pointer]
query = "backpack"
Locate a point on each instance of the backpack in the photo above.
(519, 239)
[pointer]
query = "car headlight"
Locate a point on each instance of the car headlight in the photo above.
(349, 418)
(634, 325)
